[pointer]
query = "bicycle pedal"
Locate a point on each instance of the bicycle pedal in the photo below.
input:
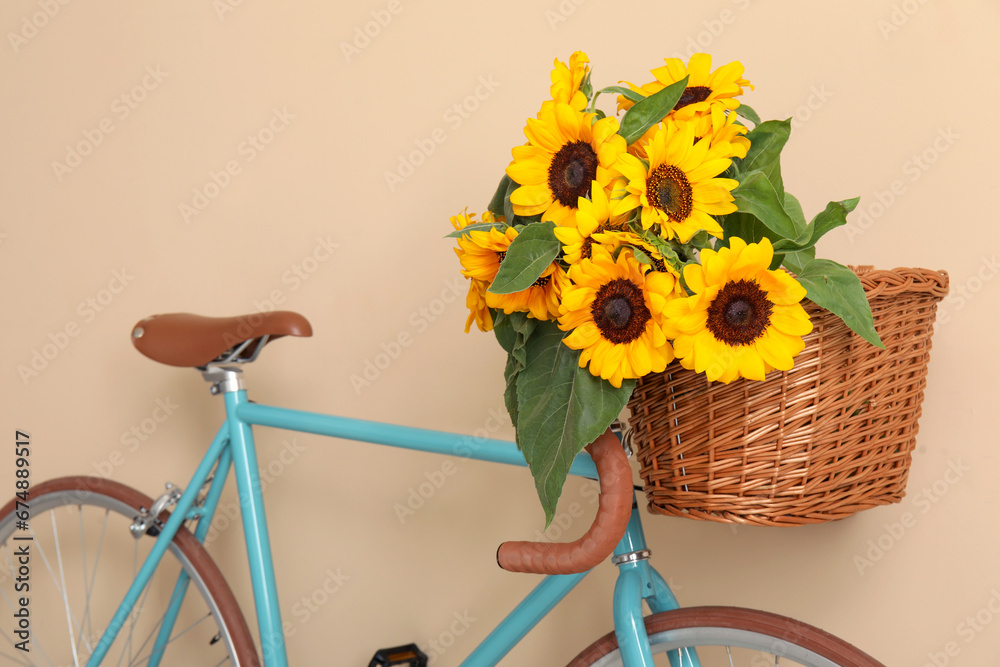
(399, 655)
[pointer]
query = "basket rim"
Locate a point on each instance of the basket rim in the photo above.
(890, 282)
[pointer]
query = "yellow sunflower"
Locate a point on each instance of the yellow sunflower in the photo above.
(677, 189)
(614, 312)
(541, 300)
(566, 80)
(479, 312)
(462, 220)
(483, 259)
(742, 320)
(704, 87)
(715, 126)
(481, 252)
(566, 152)
(592, 216)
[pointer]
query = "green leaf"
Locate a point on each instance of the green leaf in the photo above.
(766, 142)
(528, 255)
(627, 93)
(510, 374)
(477, 227)
(833, 216)
(838, 289)
(794, 209)
(501, 195)
(649, 111)
(746, 227)
(795, 261)
(523, 326)
(756, 195)
(508, 208)
(586, 87)
(503, 329)
(512, 332)
(669, 254)
(641, 256)
(561, 409)
(746, 112)
(701, 239)
(837, 210)
(521, 221)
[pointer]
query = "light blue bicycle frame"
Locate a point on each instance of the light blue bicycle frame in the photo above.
(233, 447)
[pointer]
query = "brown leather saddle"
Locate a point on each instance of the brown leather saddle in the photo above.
(183, 339)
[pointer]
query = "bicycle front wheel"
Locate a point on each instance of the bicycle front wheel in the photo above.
(731, 636)
(72, 561)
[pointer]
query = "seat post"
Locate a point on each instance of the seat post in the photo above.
(224, 379)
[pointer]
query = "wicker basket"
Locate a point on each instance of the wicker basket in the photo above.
(827, 439)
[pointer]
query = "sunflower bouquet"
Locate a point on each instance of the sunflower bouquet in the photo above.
(615, 245)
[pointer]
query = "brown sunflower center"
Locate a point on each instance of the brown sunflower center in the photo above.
(693, 94)
(669, 190)
(740, 313)
(501, 254)
(619, 311)
(542, 282)
(571, 171)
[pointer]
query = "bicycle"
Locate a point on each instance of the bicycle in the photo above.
(105, 529)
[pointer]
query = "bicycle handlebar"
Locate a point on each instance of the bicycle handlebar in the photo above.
(613, 512)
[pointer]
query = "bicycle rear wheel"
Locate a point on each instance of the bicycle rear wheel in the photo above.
(732, 636)
(82, 559)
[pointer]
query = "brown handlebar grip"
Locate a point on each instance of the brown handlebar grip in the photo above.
(613, 512)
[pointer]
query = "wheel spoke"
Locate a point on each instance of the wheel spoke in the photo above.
(52, 576)
(133, 618)
(15, 658)
(62, 578)
(152, 633)
(85, 616)
(86, 623)
(174, 638)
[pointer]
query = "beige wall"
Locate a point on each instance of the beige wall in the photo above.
(169, 95)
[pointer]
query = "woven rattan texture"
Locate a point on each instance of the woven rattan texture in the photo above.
(827, 439)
